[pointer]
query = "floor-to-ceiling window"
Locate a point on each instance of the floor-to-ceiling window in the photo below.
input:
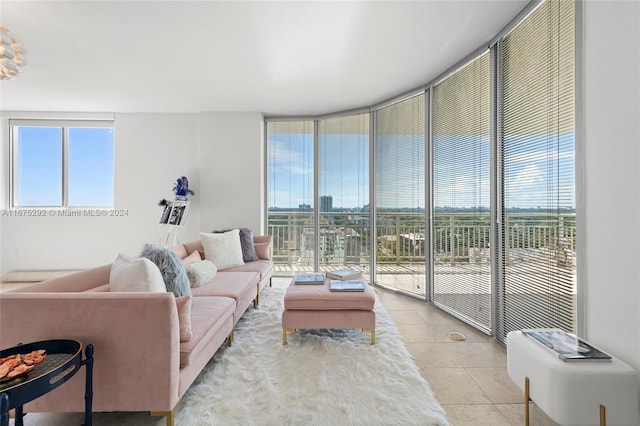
(461, 193)
(537, 141)
(400, 195)
(343, 186)
(499, 247)
(290, 194)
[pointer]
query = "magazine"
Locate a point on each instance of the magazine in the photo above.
(346, 285)
(309, 279)
(344, 274)
(566, 346)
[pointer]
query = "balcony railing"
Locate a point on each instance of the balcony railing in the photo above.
(460, 239)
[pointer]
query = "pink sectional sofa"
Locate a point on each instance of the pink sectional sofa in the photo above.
(140, 363)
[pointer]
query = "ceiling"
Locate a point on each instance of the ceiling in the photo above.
(275, 57)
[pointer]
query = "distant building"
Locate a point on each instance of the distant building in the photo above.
(304, 206)
(326, 203)
(326, 206)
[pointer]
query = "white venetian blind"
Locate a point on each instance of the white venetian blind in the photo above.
(400, 197)
(538, 171)
(461, 193)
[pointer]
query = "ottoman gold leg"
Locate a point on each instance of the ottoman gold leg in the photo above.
(284, 334)
(373, 334)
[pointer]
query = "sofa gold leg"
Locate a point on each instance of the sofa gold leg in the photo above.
(230, 339)
(256, 301)
(373, 334)
(167, 414)
(270, 281)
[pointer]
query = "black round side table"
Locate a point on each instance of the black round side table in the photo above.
(63, 360)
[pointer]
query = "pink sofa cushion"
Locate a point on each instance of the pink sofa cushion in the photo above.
(229, 284)
(194, 257)
(318, 297)
(263, 250)
(262, 267)
(180, 250)
(241, 286)
(192, 246)
(209, 316)
(102, 288)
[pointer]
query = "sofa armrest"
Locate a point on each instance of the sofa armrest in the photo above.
(264, 246)
(135, 337)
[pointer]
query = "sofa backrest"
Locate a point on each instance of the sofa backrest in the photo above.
(264, 246)
(262, 243)
(76, 282)
(190, 247)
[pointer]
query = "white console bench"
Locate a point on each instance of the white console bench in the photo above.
(576, 393)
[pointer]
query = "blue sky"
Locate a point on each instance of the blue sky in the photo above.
(40, 170)
(531, 165)
(344, 170)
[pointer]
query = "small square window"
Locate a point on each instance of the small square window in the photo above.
(62, 164)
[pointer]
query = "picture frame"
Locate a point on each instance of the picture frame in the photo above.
(166, 212)
(178, 212)
(174, 213)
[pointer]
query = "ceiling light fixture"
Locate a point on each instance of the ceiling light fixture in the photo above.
(11, 55)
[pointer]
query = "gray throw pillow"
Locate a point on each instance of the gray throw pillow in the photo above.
(246, 242)
(171, 268)
(248, 249)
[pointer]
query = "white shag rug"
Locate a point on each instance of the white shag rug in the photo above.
(322, 377)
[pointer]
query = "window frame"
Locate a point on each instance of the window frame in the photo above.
(64, 125)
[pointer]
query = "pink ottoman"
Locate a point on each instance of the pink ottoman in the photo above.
(315, 306)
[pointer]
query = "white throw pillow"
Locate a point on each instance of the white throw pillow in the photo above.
(200, 273)
(223, 249)
(136, 274)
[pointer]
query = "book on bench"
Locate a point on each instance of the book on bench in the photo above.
(344, 274)
(566, 346)
(346, 285)
(313, 279)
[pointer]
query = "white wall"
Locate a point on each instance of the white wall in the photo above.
(612, 177)
(220, 153)
(231, 171)
(151, 152)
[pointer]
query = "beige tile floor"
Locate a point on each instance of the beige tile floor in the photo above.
(468, 378)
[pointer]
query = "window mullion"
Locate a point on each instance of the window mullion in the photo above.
(13, 170)
(65, 167)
